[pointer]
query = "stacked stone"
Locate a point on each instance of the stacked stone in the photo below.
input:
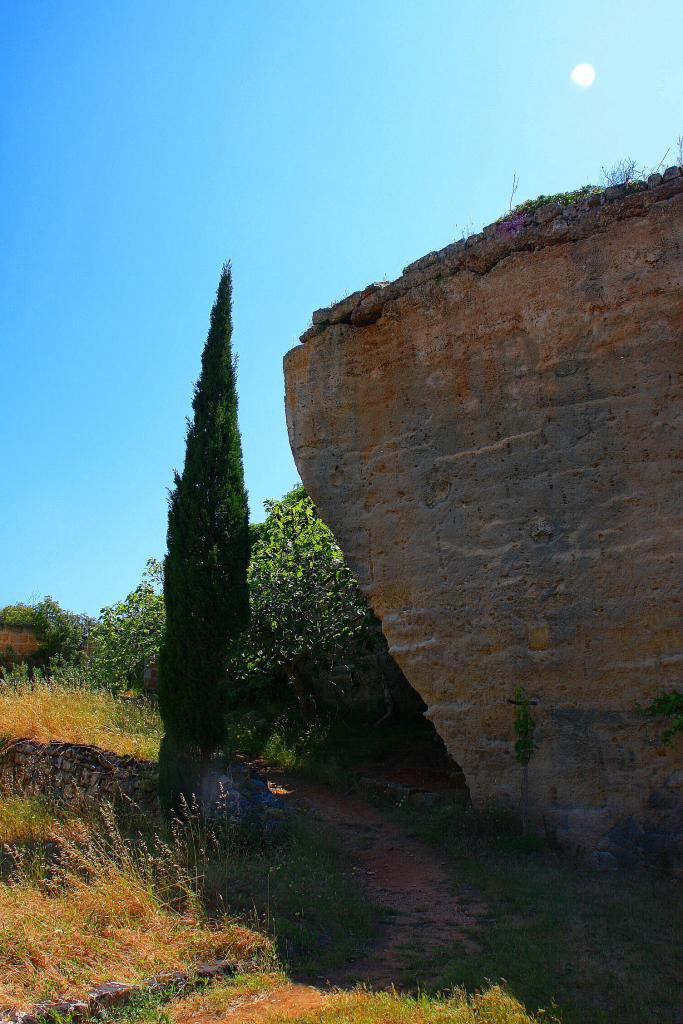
(522, 231)
(116, 993)
(78, 774)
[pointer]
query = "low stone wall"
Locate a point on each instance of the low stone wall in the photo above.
(100, 1001)
(77, 774)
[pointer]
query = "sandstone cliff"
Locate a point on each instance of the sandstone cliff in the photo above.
(495, 440)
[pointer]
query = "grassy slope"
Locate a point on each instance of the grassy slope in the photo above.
(73, 713)
(103, 908)
(125, 904)
(601, 947)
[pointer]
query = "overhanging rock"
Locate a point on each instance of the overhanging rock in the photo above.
(495, 440)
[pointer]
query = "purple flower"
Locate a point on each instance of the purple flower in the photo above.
(512, 226)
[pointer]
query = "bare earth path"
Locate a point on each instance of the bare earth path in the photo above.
(403, 876)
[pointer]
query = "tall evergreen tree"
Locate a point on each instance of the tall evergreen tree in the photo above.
(205, 578)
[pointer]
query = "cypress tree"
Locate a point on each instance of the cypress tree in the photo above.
(205, 578)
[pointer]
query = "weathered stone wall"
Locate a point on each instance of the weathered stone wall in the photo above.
(19, 641)
(76, 774)
(495, 440)
(368, 684)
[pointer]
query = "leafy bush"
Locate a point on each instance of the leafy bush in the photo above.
(305, 601)
(667, 705)
(17, 615)
(128, 632)
(63, 635)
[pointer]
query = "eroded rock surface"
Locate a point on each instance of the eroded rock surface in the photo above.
(495, 439)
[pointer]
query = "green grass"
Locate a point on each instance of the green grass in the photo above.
(601, 947)
(301, 892)
(332, 748)
(493, 1005)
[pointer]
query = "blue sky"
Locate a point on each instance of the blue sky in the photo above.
(320, 146)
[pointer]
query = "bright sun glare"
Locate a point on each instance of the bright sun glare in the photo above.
(583, 75)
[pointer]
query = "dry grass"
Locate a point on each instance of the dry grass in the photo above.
(32, 820)
(493, 1006)
(218, 1002)
(53, 710)
(108, 910)
(273, 1000)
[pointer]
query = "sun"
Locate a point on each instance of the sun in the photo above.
(583, 75)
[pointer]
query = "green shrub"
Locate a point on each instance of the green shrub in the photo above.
(129, 632)
(669, 706)
(63, 635)
(17, 615)
(305, 602)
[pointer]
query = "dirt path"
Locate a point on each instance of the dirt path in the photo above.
(402, 876)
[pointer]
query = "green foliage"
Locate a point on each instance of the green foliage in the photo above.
(524, 728)
(564, 198)
(668, 705)
(128, 632)
(205, 572)
(63, 635)
(305, 602)
(17, 615)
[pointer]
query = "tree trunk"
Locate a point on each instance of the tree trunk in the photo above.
(306, 702)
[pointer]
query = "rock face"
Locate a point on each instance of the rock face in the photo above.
(370, 684)
(495, 440)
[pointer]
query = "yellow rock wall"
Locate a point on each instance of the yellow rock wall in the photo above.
(496, 441)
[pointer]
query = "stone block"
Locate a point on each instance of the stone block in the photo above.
(508, 493)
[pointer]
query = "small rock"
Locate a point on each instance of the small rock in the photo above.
(111, 994)
(541, 530)
(422, 263)
(546, 213)
(654, 180)
(71, 1009)
(214, 970)
(671, 172)
(601, 860)
(311, 333)
(321, 316)
(559, 226)
(167, 979)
